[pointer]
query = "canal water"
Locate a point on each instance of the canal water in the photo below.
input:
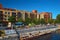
(51, 36)
(55, 35)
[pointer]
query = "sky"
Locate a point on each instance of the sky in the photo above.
(52, 6)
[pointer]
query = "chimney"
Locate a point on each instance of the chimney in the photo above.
(0, 6)
(34, 11)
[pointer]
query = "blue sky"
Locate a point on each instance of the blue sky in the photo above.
(29, 5)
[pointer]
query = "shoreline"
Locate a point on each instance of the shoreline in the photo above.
(36, 37)
(44, 36)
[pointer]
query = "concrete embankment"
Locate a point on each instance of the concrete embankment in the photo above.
(35, 34)
(44, 36)
(10, 37)
(49, 36)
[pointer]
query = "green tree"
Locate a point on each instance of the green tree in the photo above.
(12, 19)
(50, 21)
(1, 32)
(55, 21)
(38, 21)
(42, 21)
(58, 18)
(34, 21)
(27, 21)
(20, 20)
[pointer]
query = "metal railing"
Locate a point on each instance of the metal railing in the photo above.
(35, 29)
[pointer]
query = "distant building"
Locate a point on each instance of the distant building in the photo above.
(46, 15)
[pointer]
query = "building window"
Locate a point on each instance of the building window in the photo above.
(19, 14)
(13, 10)
(14, 14)
(4, 18)
(1, 12)
(32, 15)
(8, 16)
(1, 15)
(9, 13)
(5, 15)
(5, 12)
(26, 15)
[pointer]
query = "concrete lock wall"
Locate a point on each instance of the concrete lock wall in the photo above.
(10, 35)
(9, 38)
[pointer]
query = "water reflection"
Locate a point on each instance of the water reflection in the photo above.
(55, 36)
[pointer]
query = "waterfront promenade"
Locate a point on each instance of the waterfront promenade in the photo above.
(36, 31)
(30, 32)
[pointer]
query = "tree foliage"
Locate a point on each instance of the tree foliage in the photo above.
(38, 21)
(42, 21)
(27, 21)
(50, 21)
(58, 18)
(12, 19)
(1, 32)
(20, 20)
(0, 21)
(34, 21)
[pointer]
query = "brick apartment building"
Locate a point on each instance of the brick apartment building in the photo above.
(5, 13)
(46, 15)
